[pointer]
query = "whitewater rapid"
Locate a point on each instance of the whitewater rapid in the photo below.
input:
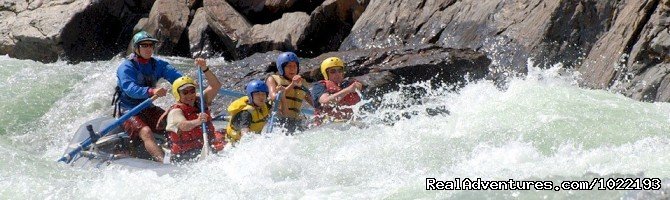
(540, 127)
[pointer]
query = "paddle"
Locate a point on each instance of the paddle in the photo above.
(236, 94)
(67, 158)
(367, 105)
(275, 108)
(205, 146)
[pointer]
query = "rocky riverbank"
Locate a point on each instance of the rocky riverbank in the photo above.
(616, 45)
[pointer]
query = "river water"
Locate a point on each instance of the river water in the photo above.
(541, 127)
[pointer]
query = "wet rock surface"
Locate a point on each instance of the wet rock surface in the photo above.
(616, 45)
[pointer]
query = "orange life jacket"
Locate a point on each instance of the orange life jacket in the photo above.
(335, 111)
(188, 140)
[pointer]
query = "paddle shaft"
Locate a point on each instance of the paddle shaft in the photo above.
(205, 146)
(67, 158)
(275, 108)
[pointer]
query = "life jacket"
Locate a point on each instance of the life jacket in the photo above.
(146, 81)
(185, 141)
(259, 116)
(294, 96)
(335, 111)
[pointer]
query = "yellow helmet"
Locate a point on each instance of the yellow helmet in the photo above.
(330, 63)
(181, 81)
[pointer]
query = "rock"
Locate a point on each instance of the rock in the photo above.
(266, 11)
(202, 39)
(227, 23)
(329, 24)
(192, 4)
(308, 36)
(561, 30)
(647, 71)
(13, 5)
(249, 7)
(7, 18)
(598, 69)
(167, 22)
(632, 58)
(282, 34)
(94, 33)
(73, 30)
(37, 32)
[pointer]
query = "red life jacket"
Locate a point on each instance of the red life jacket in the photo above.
(338, 111)
(188, 140)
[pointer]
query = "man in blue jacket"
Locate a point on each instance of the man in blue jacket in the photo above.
(137, 78)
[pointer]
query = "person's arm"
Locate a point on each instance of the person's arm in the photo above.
(339, 95)
(214, 84)
(127, 76)
(295, 82)
(274, 91)
(174, 117)
(188, 125)
(272, 86)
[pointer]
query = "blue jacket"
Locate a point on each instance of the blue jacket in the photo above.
(135, 79)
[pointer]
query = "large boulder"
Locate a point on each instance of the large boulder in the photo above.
(167, 22)
(598, 70)
(13, 5)
(7, 18)
(282, 34)
(511, 32)
(227, 23)
(328, 25)
(74, 30)
(632, 58)
(36, 33)
(202, 39)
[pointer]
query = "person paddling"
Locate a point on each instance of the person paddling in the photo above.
(335, 94)
(293, 89)
(184, 118)
(249, 113)
(136, 81)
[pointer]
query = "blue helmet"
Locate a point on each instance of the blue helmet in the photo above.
(284, 58)
(256, 86)
(141, 37)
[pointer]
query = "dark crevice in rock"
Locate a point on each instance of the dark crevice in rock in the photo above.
(92, 35)
(102, 30)
(421, 4)
(446, 5)
(182, 48)
(635, 37)
(649, 11)
(325, 33)
(434, 39)
(266, 16)
(216, 46)
(503, 30)
(574, 30)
